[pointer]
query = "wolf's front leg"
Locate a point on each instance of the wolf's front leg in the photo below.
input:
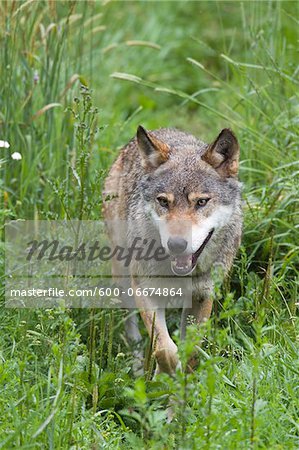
(166, 352)
(135, 341)
(120, 272)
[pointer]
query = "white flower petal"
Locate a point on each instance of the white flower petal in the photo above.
(16, 155)
(4, 144)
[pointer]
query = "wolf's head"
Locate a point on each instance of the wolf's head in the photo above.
(190, 189)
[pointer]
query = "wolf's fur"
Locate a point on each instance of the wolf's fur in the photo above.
(184, 171)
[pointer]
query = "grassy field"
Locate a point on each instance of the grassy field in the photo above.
(66, 380)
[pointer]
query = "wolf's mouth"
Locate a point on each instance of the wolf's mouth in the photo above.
(183, 265)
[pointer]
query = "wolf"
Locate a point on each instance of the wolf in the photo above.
(168, 182)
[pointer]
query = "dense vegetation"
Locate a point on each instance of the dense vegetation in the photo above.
(66, 378)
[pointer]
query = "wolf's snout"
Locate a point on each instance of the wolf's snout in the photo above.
(177, 245)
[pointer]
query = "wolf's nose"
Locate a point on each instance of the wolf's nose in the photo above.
(177, 245)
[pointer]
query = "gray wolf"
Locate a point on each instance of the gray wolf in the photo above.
(165, 179)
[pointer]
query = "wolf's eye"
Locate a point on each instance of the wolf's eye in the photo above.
(201, 202)
(163, 201)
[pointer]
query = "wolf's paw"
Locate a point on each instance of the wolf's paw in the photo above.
(167, 360)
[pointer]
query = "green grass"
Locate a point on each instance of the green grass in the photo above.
(200, 66)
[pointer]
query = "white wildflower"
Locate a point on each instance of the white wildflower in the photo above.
(4, 144)
(16, 155)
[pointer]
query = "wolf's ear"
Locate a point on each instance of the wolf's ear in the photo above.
(223, 154)
(153, 152)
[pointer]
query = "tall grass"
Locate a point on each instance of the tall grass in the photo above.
(66, 378)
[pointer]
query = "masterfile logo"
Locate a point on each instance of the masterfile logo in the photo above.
(74, 264)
